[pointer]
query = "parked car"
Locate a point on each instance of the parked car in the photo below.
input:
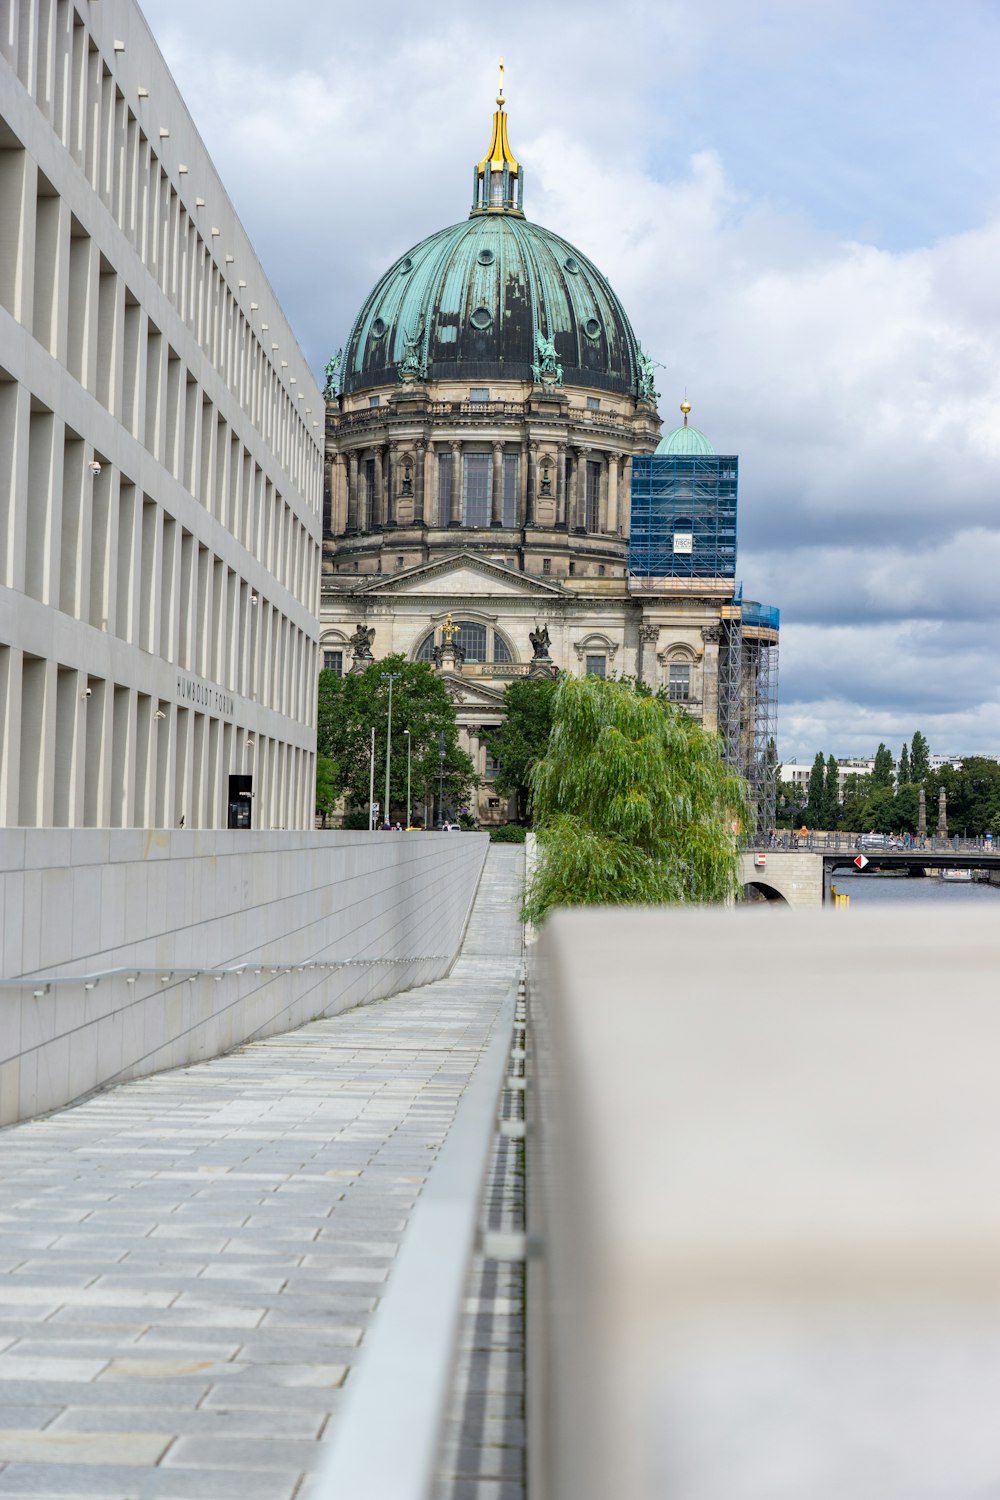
(447, 828)
(875, 841)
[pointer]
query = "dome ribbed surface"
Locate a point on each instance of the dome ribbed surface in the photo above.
(472, 297)
(684, 441)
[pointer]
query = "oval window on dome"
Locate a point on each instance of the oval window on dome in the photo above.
(406, 264)
(378, 329)
(572, 265)
(592, 328)
(482, 318)
(486, 257)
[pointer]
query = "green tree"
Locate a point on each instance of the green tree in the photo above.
(815, 809)
(831, 793)
(973, 795)
(633, 804)
(879, 812)
(521, 739)
(326, 788)
(920, 760)
(884, 769)
(350, 707)
(905, 808)
(903, 775)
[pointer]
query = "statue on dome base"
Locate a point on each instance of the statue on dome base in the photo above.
(646, 382)
(331, 372)
(412, 368)
(546, 369)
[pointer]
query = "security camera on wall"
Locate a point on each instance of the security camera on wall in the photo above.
(94, 467)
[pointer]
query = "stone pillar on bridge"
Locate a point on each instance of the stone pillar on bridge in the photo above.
(922, 815)
(942, 827)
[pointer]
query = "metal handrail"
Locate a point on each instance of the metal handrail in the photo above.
(42, 983)
(407, 1370)
(840, 843)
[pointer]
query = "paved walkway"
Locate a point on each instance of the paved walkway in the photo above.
(190, 1263)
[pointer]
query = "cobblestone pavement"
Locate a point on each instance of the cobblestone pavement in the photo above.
(190, 1263)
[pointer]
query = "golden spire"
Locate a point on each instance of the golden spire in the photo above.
(685, 408)
(498, 153)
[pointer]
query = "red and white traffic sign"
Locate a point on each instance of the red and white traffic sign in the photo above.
(861, 861)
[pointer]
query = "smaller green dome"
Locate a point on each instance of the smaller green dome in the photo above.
(685, 440)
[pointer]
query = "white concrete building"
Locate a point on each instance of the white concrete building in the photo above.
(162, 455)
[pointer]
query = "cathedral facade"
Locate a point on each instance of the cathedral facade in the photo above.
(480, 434)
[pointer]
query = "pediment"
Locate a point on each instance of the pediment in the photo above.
(465, 576)
(469, 695)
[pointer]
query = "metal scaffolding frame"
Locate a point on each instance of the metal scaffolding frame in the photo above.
(748, 701)
(683, 516)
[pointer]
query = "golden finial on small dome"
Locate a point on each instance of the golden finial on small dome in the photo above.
(685, 408)
(500, 93)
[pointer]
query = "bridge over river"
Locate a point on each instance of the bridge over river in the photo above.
(800, 870)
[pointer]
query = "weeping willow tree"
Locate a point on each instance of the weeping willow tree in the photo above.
(633, 804)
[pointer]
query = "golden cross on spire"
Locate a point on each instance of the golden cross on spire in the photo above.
(449, 630)
(500, 94)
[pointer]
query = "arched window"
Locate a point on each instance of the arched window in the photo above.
(477, 641)
(472, 640)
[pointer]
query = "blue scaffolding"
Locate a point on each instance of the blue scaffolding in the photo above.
(683, 516)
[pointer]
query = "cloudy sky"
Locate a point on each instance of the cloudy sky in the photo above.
(799, 205)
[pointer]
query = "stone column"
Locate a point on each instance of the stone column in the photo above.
(922, 815)
(378, 519)
(523, 489)
(623, 507)
(531, 486)
(419, 474)
(711, 635)
(942, 827)
(456, 484)
(391, 479)
(561, 486)
(602, 494)
(648, 636)
(353, 521)
(613, 492)
(580, 488)
(496, 497)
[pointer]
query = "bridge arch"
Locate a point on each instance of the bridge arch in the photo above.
(759, 890)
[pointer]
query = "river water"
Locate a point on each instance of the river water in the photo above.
(866, 890)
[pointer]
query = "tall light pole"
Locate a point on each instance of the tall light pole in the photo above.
(371, 784)
(441, 778)
(408, 748)
(389, 677)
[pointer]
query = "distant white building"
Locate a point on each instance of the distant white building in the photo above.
(797, 773)
(162, 455)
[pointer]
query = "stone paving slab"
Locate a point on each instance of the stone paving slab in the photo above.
(191, 1263)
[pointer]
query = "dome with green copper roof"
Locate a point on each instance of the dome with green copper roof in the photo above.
(685, 441)
(480, 300)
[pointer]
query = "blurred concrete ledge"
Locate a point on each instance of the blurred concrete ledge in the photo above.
(765, 1171)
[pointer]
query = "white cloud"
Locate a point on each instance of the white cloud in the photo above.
(860, 384)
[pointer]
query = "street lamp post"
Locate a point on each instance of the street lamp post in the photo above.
(389, 677)
(408, 748)
(441, 778)
(371, 785)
